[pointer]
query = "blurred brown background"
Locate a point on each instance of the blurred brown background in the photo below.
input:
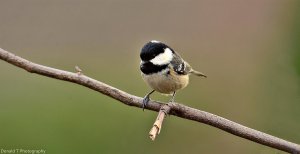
(249, 50)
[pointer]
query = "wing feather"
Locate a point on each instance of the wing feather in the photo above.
(180, 66)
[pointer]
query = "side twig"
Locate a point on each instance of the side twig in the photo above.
(176, 109)
(155, 130)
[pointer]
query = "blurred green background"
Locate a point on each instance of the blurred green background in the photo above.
(248, 49)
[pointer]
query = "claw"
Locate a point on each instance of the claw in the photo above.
(146, 100)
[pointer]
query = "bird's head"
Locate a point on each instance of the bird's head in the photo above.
(155, 56)
(157, 53)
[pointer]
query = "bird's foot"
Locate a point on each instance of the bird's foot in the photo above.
(145, 101)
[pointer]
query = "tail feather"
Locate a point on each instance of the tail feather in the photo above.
(198, 73)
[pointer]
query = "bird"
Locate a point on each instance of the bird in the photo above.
(163, 69)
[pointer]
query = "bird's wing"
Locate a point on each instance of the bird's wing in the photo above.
(180, 66)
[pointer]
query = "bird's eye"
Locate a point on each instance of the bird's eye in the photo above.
(153, 56)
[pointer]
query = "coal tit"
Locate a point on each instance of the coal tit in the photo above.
(164, 70)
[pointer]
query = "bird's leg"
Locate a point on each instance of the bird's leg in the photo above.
(169, 103)
(173, 97)
(146, 99)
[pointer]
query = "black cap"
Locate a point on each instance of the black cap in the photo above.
(152, 49)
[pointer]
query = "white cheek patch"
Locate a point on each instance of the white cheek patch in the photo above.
(163, 58)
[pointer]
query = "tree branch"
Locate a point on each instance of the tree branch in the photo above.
(176, 109)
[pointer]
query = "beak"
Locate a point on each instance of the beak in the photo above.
(142, 66)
